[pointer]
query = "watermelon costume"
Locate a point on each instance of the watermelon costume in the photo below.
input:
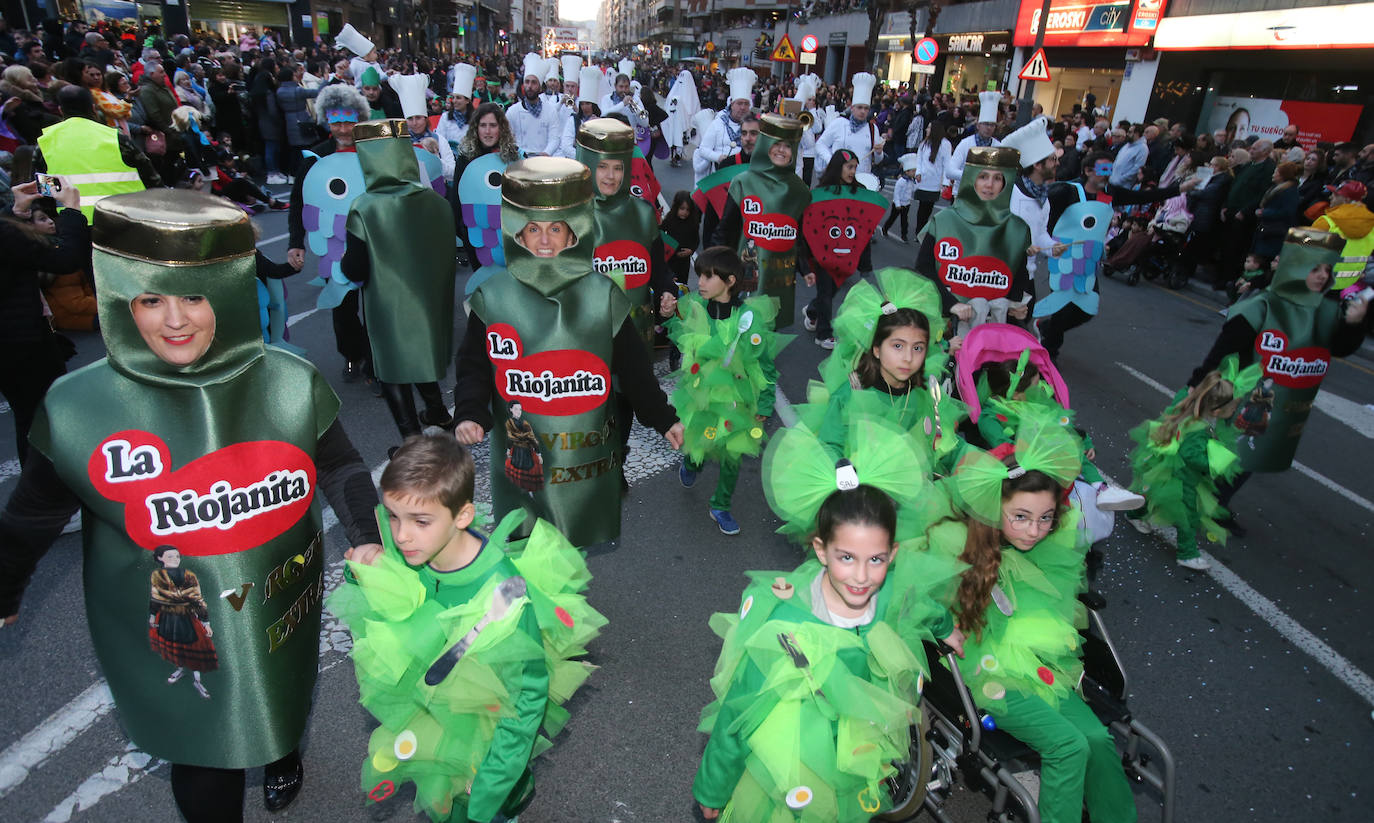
(1179, 476)
(727, 377)
(976, 249)
(464, 732)
(1024, 666)
(812, 716)
(838, 225)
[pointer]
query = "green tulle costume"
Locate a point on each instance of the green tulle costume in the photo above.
(440, 737)
(1030, 644)
(1178, 475)
(838, 400)
(727, 376)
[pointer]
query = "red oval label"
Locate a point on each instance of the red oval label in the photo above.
(627, 256)
(231, 500)
(770, 231)
(972, 276)
(557, 383)
(1294, 368)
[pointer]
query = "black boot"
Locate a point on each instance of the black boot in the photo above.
(435, 413)
(401, 402)
(282, 781)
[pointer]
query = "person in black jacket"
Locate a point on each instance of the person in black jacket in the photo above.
(1205, 204)
(30, 359)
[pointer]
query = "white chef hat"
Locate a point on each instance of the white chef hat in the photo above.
(534, 66)
(1031, 141)
(863, 89)
(353, 40)
(741, 82)
(806, 88)
(910, 160)
(627, 67)
(572, 64)
(987, 106)
(551, 69)
(463, 76)
(589, 85)
(411, 89)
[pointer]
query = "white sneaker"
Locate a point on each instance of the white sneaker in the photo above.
(1141, 526)
(1195, 563)
(808, 322)
(1116, 499)
(74, 525)
(827, 343)
(275, 179)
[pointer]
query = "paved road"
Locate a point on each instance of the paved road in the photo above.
(1255, 674)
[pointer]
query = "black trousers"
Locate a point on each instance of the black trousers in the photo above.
(897, 211)
(924, 208)
(26, 372)
(350, 338)
(1054, 327)
(808, 169)
(208, 795)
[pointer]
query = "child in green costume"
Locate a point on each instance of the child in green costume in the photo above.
(1021, 565)
(464, 645)
(726, 386)
(820, 675)
(1180, 456)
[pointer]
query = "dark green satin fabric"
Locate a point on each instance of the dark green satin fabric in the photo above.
(984, 228)
(1307, 319)
(408, 228)
(781, 192)
(238, 392)
(621, 216)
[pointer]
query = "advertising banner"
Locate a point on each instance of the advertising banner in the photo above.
(1085, 23)
(1266, 118)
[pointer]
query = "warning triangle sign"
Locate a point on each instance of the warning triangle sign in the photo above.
(784, 52)
(1037, 69)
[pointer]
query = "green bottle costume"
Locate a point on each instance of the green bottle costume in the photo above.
(810, 717)
(1294, 328)
(518, 615)
(1179, 475)
(626, 226)
(1023, 668)
(550, 328)
(407, 226)
(185, 457)
(839, 398)
(979, 245)
(771, 200)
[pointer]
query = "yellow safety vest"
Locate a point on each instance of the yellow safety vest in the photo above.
(1354, 255)
(86, 154)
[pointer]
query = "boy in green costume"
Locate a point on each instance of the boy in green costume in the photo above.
(463, 644)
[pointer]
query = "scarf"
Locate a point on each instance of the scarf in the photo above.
(1039, 191)
(731, 128)
(536, 107)
(980, 140)
(458, 119)
(855, 124)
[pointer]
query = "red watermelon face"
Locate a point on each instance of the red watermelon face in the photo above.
(839, 227)
(643, 183)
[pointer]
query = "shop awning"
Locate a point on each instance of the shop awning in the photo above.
(254, 12)
(1310, 27)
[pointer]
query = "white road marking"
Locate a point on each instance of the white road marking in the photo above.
(9, 468)
(296, 318)
(1345, 671)
(1301, 468)
(122, 770)
(4, 407)
(52, 735)
(267, 240)
(1357, 416)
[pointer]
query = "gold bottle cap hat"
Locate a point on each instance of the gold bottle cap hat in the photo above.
(780, 127)
(1318, 239)
(546, 183)
(606, 135)
(1000, 156)
(172, 227)
(380, 130)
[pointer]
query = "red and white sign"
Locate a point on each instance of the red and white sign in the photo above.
(1037, 68)
(809, 43)
(230, 500)
(1086, 23)
(1296, 368)
(974, 276)
(1306, 27)
(558, 383)
(628, 257)
(771, 231)
(1264, 117)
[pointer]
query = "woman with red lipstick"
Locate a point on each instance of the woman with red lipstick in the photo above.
(828, 655)
(1021, 567)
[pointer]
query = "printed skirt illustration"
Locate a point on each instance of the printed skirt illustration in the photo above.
(179, 620)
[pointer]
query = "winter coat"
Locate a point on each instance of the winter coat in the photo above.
(299, 124)
(1279, 212)
(1205, 203)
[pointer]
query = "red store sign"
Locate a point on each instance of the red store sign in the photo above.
(1080, 23)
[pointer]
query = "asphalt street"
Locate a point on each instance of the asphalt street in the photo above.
(1256, 675)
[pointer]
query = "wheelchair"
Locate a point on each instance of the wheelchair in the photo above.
(956, 744)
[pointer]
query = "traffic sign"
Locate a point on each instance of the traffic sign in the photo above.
(809, 43)
(709, 47)
(1038, 68)
(926, 51)
(921, 68)
(808, 58)
(784, 52)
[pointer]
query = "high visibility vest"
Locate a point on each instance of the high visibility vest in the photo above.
(86, 154)
(1354, 256)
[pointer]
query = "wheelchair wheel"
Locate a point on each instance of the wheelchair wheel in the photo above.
(1133, 275)
(908, 787)
(1177, 279)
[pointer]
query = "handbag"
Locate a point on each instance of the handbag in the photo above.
(155, 144)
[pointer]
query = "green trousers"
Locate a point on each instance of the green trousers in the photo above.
(1078, 759)
(725, 484)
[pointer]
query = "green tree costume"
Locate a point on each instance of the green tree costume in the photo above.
(408, 299)
(185, 456)
(763, 214)
(976, 249)
(1294, 329)
(519, 616)
(549, 337)
(628, 243)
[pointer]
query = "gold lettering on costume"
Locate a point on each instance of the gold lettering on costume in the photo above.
(279, 632)
(572, 441)
(292, 570)
(586, 471)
